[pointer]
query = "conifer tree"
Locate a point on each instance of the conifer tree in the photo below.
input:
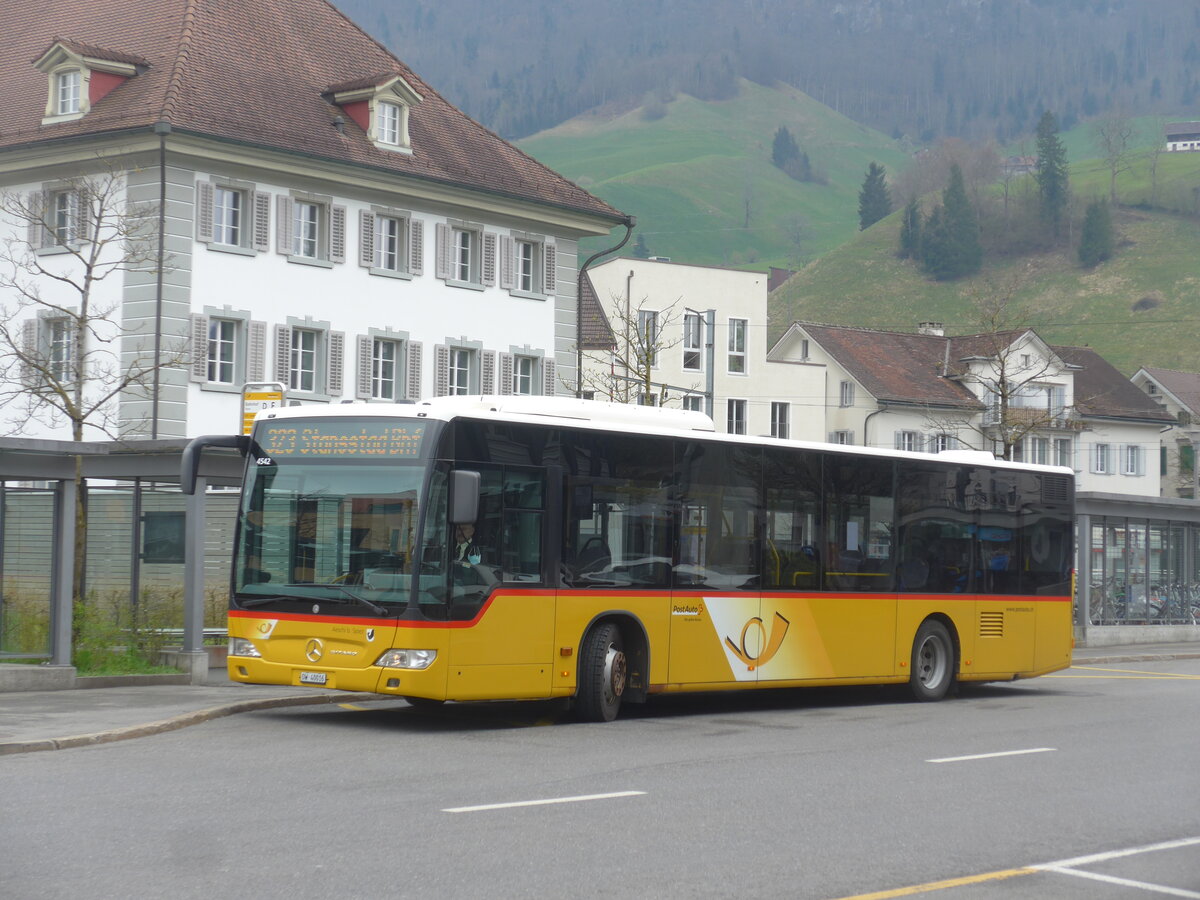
(874, 200)
(910, 231)
(1051, 174)
(964, 252)
(1096, 244)
(783, 148)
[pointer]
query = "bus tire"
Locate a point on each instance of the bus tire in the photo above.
(602, 674)
(932, 662)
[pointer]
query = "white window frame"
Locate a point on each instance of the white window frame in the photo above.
(527, 266)
(1037, 450)
(303, 361)
(311, 229)
(1062, 452)
(391, 244)
(68, 92)
(693, 342)
(909, 441)
(66, 215)
(308, 217)
(736, 359)
(735, 416)
(223, 350)
(694, 402)
(941, 442)
(1131, 459)
(461, 370)
(780, 419)
(842, 437)
(648, 335)
(60, 342)
(386, 355)
(229, 216)
(388, 122)
(524, 375)
(846, 394)
(1101, 459)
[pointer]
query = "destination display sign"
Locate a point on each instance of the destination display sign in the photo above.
(341, 438)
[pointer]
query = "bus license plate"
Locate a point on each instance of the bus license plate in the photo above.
(312, 677)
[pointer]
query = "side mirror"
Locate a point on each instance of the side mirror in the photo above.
(464, 496)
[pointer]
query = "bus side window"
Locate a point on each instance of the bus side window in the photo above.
(792, 504)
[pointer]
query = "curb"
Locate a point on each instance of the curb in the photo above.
(176, 722)
(1134, 657)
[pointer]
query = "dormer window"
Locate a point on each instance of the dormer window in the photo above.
(66, 91)
(380, 107)
(80, 76)
(387, 122)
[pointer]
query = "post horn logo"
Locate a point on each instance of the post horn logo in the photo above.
(779, 627)
(314, 650)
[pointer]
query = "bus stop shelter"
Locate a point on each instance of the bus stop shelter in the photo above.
(51, 465)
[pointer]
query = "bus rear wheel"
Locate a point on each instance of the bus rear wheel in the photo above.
(932, 662)
(602, 674)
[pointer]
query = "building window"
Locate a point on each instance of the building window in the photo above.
(302, 368)
(692, 331)
(385, 357)
(648, 335)
(841, 437)
(908, 440)
(780, 413)
(306, 229)
(64, 217)
(228, 209)
(1100, 461)
(389, 243)
(644, 399)
(222, 350)
(939, 443)
(694, 402)
(387, 123)
(735, 420)
(524, 368)
(460, 370)
(60, 343)
(804, 349)
(67, 92)
(1062, 452)
(463, 255)
(526, 260)
(1131, 460)
(846, 394)
(1038, 451)
(737, 346)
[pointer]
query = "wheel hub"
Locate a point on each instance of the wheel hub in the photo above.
(614, 672)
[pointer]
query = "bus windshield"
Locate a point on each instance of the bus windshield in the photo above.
(329, 531)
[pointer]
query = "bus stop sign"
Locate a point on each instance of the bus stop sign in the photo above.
(256, 397)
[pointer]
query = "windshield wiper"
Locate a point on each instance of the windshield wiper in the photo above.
(251, 602)
(357, 598)
(306, 597)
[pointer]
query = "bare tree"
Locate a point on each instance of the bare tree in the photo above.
(1008, 367)
(65, 357)
(1156, 146)
(1114, 136)
(641, 332)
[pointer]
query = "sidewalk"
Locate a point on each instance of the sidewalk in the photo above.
(56, 720)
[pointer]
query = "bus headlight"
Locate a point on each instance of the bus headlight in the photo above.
(243, 647)
(407, 659)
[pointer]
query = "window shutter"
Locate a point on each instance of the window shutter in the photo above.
(366, 239)
(283, 225)
(412, 385)
(337, 234)
(38, 236)
(549, 387)
(262, 221)
(365, 345)
(204, 211)
(506, 373)
(487, 379)
(29, 351)
(489, 260)
(336, 359)
(283, 354)
(416, 246)
(256, 352)
(199, 370)
(550, 279)
(506, 262)
(441, 370)
(442, 253)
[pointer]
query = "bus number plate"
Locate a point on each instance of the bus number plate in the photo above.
(312, 677)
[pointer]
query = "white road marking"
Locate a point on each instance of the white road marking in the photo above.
(1124, 882)
(947, 759)
(1117, 854)
(579, 799)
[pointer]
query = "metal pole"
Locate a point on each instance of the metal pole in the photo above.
(710, 361)
(193, 656)
(60, 582)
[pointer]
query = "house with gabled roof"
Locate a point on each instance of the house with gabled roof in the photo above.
(328, 221)
(1006, 392)
(1178, 393)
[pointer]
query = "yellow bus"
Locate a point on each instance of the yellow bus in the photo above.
(488, 548)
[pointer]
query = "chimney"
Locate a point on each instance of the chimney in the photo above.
(937, 329)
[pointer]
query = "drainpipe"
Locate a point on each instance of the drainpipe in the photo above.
(629, 222)
(162, 128)
(867, 420)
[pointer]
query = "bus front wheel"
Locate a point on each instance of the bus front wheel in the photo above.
(932, 661)
(602, 674)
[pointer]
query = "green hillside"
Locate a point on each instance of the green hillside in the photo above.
(1140, 308)
(689, 175)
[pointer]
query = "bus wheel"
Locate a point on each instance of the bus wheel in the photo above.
(602, 672)
(932, 661)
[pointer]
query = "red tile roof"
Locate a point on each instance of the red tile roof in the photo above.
(1185, 386)
(255, 73)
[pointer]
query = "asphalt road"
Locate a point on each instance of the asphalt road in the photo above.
(821, 794)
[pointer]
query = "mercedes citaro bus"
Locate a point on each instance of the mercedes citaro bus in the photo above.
(489, 548)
